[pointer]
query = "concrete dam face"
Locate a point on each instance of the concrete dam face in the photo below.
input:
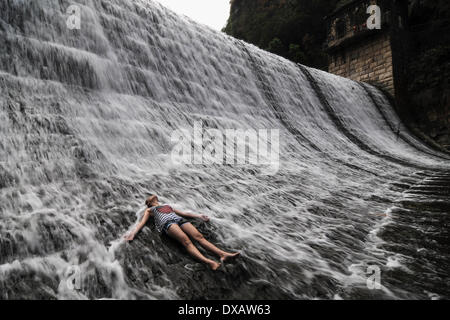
(87, 120)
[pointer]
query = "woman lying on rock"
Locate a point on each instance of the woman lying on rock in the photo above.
(172, 223)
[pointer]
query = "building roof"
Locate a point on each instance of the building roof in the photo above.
(343, 5)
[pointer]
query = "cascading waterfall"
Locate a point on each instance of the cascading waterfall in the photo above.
(86, 118)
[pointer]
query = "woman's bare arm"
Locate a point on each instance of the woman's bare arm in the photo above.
(191, 215)
(141, 224)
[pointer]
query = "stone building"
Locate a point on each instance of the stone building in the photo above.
(373, 53)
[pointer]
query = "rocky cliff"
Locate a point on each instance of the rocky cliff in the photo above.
(427, 104)
(293, 29)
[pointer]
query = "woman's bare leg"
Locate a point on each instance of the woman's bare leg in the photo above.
(175, 232)
(196, 235)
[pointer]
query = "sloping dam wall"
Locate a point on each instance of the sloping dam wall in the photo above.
(86, 119)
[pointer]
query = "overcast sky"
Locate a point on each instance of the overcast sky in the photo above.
(213, 13)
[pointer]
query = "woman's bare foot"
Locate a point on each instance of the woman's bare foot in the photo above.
(214, 265)
(228, 256)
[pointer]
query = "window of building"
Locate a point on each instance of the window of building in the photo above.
(340, 28)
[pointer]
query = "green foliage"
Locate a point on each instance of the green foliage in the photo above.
(430, 68)
(296, 54)
(276, 46)
(294, 29)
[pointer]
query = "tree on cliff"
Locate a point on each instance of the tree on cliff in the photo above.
(294, 29)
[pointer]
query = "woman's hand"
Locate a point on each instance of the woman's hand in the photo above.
(129, 237)
(204, 217)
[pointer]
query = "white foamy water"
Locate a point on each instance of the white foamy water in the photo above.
(86, 119)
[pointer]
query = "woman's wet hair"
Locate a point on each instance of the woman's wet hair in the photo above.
(147, 201)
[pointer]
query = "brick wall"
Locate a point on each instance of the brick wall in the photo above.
(369, 60)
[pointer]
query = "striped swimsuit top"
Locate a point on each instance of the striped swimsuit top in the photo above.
(163, 214)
